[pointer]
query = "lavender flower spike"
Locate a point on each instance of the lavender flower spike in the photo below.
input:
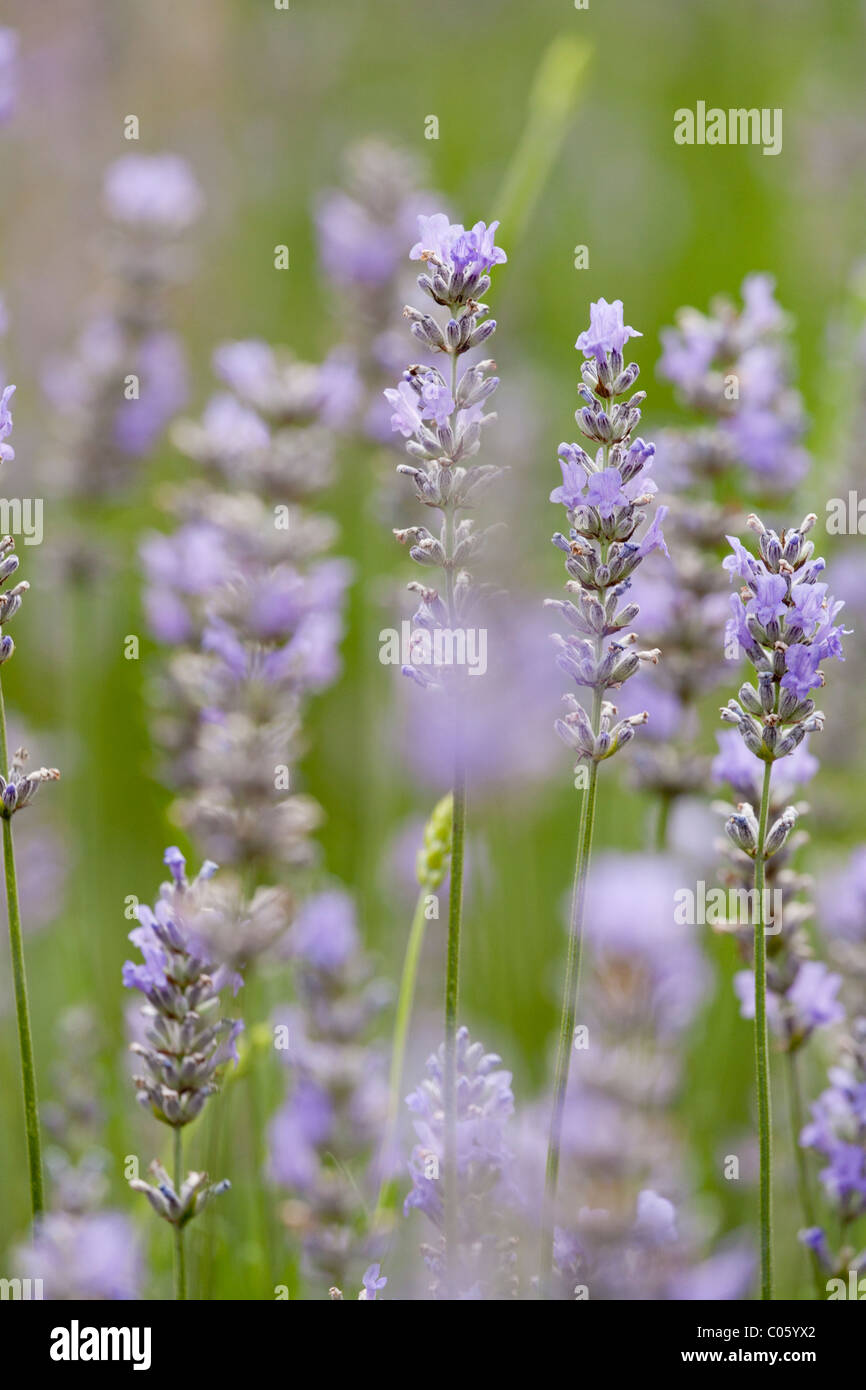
(17, 788)
(837, 1131)
(441, 420)
(785, 623)
(605, 495)
(485, 1252)
(186, 1040)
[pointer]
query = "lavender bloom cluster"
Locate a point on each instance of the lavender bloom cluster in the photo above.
(627, 1229)
(784, 622)
(801, 991)
(76, 1161)
(91, 1257)
(126, 377)
(724, 367)
(734, 366)
(841, 900)
(638, 1254)
(246, 593)
(604, 496)
(8, 74)
(322, 1137)
(363, 228)
(187, 1040)
(837, 1131)
(18, 786)
(487, 1256)
(442, 421)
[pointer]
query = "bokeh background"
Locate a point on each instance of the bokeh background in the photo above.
(264, 105)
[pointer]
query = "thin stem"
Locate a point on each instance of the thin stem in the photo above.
(405, 1000)
(179, 1254)
(665, 806)
(22, 1006)
(455, 913)
(257, 1102)
(452, 980)
(795, 1111)
(762, 1053)
(569, 1009)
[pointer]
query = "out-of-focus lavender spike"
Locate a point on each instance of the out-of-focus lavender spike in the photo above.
(322, 1138)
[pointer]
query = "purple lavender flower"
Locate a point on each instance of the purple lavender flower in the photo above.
(842, 899)
(363, 229)
(485, 1104)
(372, 1283)
(657, 962)
(457, 256)
(786, 635)
(8, 74)
(505, 713)
(734, 368)
(809, 1002)
(186, 1042)
(603, 550)
(738, 767)
(606, 333)
(321, 1138)
(152, 191)
(164, 388)
(244, 591)
(126, 376)
(89, 1257)
(837, 1130)
(7, 453)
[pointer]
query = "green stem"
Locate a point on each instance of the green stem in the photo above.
(257, 1102)
(452, 980)
(22, 1006)
(762, 1053)
(405, 1001)
(665, 806)
(179, 1254)
(795, 1110)
(569, 1010)
(455, 912)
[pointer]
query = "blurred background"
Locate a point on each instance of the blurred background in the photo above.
(560, 122)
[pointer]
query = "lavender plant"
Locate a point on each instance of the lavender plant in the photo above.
(251, 603)
(732, 372)
(624, 1161)
(187, 1040)
(483, 1265)
(362, 229)
(321, 1138)
(802, 992)
(93, 1255)
(17, 788)
(246, 596)
(784, 621)
(837, 1131)
(733, 367)
(441, 421)
(603, 497)
(126, 378)
(431, 868)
